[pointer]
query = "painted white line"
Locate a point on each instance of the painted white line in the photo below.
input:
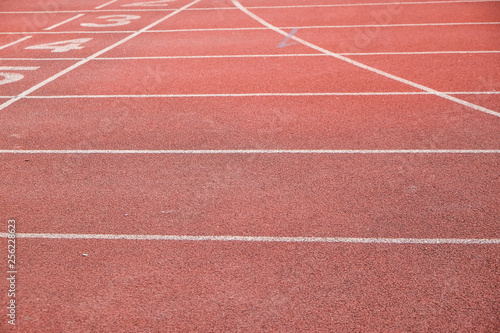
(104, 5)
(41, 59)
(67, 32)
(93, 56)
(88, 11)
(265, 239)
(368, 4)
(420, 52)
(15, 42)
(96, 10)
(255, 28)
(255, 151)
(18, 68)
(409, 93)
(63, 22)
(366, 67)
(258, 55)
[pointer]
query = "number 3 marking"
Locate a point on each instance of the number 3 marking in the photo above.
(117, 19)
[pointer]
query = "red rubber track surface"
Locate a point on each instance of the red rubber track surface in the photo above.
(405, 183)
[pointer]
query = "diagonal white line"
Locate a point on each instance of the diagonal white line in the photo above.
(264, 239)
(15, 42)
(95, 55)
(369, 68)
(64, 22)
(106, 4)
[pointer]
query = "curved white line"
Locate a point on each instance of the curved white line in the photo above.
(361, 65)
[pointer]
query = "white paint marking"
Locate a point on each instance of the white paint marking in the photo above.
(254, 7)
(18, 68)
(149, 3)
(265, 239)
(13, 77)
(63, 22)
(15, 42)
(259, 55)
(366, 67)
(106, 4)
(116, 20)
(95, 55)
(257, 151)
(368, 4)
(409, 93)
(254, 28)
(61, 46)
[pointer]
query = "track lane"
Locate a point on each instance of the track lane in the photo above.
(411, 196)
(395, 39)
(393, 14)
(443, 72)
(244, 287)
(283, 122)
(216, 76)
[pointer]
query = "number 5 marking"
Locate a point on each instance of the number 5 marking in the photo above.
(13, 77)
(117, 19)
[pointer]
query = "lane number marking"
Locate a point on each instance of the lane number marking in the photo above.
(62, 46)
(13, 77)
(115, 20)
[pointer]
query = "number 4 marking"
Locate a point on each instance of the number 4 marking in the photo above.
(63, 46)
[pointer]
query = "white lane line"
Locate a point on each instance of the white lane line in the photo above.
(259, 55)
(366, 67)
(63, 22)
(409, 93)
(256, 28)
(15, 42)
(96, 10)
(104, 5)
(18, 68)
(265, 239)
(368, 4)
(93, 56)
(420, 52)
(255, 151)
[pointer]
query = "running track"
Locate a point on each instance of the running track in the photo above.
(251, 165)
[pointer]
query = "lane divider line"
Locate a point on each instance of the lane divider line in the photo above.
(64, 22)
(255, 7)
(366, 67)
(409, 93)
(255, 28)
(266, 239)
(403, 93)
(215, 56)
(93, 56)
(255, 151)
